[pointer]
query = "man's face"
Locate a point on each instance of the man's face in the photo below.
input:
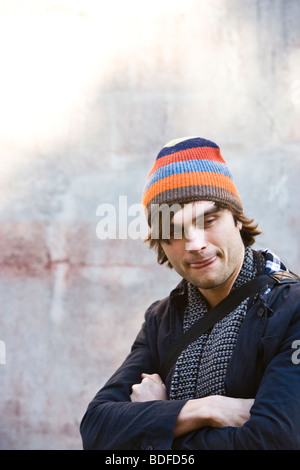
(210, 251)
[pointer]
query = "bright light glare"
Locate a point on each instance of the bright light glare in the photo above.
(47, 69)
(55, 53)
(56, 57)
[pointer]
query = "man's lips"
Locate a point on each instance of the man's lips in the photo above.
(197, 264)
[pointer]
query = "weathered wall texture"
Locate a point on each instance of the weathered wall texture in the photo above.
(89, 93)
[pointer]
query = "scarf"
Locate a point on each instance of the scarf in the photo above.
(200, 369)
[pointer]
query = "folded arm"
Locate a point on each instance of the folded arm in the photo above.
(214, 411)
(114, 421)
(274, 421)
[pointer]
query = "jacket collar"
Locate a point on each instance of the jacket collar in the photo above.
(178, 298)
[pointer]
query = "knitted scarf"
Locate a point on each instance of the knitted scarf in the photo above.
(200, 369)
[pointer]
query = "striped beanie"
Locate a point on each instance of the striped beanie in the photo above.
(190, 169)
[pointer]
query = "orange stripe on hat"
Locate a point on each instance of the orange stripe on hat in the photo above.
(189, 179)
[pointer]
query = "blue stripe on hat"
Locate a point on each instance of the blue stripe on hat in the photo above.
(188, 166)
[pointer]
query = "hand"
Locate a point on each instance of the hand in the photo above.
(227, 411)
(215, 411)
(150, 388)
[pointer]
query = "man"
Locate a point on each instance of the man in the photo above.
(236, 386)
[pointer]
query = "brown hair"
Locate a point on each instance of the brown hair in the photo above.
(248, 232)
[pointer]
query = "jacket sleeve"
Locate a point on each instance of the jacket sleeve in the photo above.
(112, 421)
(275, 414)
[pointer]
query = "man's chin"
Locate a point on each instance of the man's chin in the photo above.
(208, 284)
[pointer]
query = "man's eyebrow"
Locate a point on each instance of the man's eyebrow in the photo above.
(214, 210)
(203, 214)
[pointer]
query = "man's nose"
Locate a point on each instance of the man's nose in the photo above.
(195, 239)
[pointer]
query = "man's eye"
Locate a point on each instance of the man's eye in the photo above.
(209, 221)
(200, 223)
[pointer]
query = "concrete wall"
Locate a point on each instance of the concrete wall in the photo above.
(90, 91)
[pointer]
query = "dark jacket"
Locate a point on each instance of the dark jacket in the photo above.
(262, 366)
